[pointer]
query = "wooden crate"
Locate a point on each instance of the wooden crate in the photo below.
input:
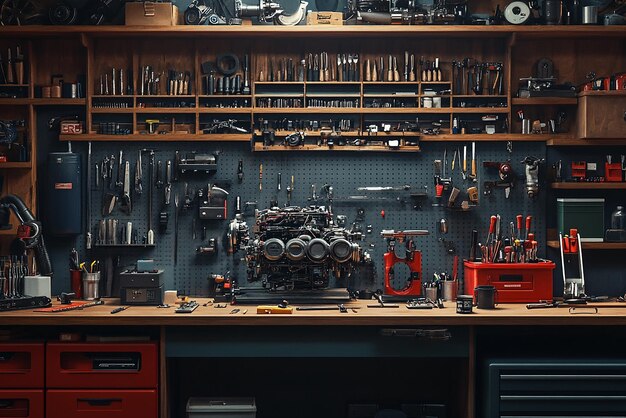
(324, 18)
(602, 115)
(151, 14)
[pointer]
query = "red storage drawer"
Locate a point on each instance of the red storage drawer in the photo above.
(515, 282)
(21, 365)
(97, 365)
(101, 404)
(21, 403)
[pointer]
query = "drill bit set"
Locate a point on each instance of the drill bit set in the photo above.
(387, 69)
(177, 83)
(115, 82)
(480, 78)
(313, 67)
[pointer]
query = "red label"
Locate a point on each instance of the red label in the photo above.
(63, 186)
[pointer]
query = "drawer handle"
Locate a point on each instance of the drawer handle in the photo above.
(422, 334)
(6, 403)
(100, 402)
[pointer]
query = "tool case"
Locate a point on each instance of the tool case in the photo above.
(221, 408)
(514, 282)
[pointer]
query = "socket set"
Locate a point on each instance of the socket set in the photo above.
(113, 128)
(111, 105)
(390, 103)
(281, 103)
(333, 103)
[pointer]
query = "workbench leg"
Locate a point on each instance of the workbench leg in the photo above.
(471, 374)
(163, 392)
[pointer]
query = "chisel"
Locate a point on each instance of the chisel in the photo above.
(406, 65)
(412, 69)
(396, 73)
(390, 69)
(474, 161)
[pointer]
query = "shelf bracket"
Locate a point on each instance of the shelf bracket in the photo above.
(512, 39)
(84, 40)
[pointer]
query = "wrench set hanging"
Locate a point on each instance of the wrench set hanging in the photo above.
(471, 76)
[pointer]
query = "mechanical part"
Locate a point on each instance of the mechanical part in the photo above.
(213, 205)
(506, 177)
(532, 175)
(517, 13)
(63, 14)
(294, 19)
(296, 248)
(412, 258)
(19, 12)
(224, 127)
(34, 240)
(195, 163)
(9, 131)
(197, 13)
(571, 249)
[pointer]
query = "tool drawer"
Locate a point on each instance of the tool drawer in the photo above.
(21, 403)
(89, 365)
(602, 115)
(101, 404)
(21, 365)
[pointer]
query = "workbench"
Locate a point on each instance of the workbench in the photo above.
(233, 353)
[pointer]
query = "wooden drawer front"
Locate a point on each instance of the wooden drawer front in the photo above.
(101, 404)
(21, 403)
(87, 365)
(21, 365)
(602, 116)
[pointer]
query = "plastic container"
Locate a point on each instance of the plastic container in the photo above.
(221, 408)
(586, 215)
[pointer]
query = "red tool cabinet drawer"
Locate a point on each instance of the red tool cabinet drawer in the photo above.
(21, 365)
(101, 404)
(96, 365)
(21, 403)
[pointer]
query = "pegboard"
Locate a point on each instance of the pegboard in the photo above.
(345, 171)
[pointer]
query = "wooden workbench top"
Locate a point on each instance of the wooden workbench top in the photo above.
(510, 314)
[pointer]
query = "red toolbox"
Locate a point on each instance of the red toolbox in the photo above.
(101, 404)
(21, 365)
(21, 403)
(515, 282)
(101, 365)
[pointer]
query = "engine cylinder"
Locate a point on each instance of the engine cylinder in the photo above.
(296, 249)
(273, 249)
(317, 250)
(341, 250)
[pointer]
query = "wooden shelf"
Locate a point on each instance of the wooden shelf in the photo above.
(258, 147)
(544, 101)
(392, 83)
(157, 138)
(568, 141)
(16, 165)
(480, 96)
(480, 110)
(485, 137)
(308, 110)
(58, 102)
(224, 110)
(391, 95)
(332, 83)
(315, 95)
(594, 245)
(14, 102)
(166, 110)
(456, 31)
(14, 85)
(589, 185)
(225, 96)
(602, 93)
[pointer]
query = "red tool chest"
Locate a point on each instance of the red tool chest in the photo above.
(515, 282)
(21, 403)
(101, 404)
(101, 365)
(21, 365)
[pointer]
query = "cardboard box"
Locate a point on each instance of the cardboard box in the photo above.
(324, 18)
(151, 14)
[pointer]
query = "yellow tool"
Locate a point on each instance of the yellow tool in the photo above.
(260, 177)
(269, 309)
(474, 160)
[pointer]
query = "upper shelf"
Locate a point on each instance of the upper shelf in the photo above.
(304, 31)
(606, 185)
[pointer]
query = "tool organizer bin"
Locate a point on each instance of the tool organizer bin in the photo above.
(514, 282)
(21, 403)
(93, 365)
(21, 365)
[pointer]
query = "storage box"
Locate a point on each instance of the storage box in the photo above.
(151, 14)
(221, 408)
(21, 365)
(324, 18)
(514, 282)
(586, 215)
(601, 115)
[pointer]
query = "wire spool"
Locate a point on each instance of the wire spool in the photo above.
(517, 13)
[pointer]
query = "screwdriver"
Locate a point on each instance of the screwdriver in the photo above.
(519, 225)
(529, 220)
(261, 177)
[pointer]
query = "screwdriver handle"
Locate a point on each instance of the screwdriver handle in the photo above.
(519, 219)
(492, 224)
(529, 220)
